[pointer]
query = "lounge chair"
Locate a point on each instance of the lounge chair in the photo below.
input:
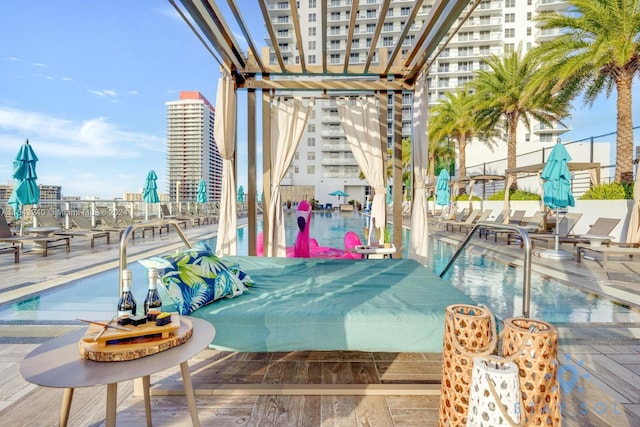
(43, 243)
(607, 250)
(483, 218)
(568, 221)
(166, 214)
(458, 216)
(50, 221)
(514, 219)
(12, 249)
(469, 221)
(602, 227)
(126, 220)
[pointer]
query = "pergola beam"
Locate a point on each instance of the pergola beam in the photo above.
(272, 36)
(214, 27)
(325, 85)
(376, 35)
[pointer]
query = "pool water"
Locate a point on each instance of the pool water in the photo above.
(487, 282)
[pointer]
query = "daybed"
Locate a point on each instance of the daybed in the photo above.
(394, 305)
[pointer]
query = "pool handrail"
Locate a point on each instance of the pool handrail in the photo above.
(129, 231)
(526, 242)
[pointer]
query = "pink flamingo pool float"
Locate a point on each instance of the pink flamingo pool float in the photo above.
(307, 247)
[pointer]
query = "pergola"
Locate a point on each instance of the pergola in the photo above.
(391, 74)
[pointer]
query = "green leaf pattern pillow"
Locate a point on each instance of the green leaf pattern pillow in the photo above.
(196, 277)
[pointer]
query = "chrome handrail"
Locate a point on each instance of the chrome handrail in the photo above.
(526, 242)
(129, 231)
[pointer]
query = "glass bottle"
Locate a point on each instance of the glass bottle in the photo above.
(153, 302)
(127, 303)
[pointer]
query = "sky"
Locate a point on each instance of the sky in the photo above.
(87, 82)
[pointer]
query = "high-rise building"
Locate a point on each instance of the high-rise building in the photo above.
(324, 158)
(192, 153)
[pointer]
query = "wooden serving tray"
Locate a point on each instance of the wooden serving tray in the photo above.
(117, 345)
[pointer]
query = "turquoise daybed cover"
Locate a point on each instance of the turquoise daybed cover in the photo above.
(385, 305)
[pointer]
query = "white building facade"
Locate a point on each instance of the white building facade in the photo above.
(324, 159)
(192, 153)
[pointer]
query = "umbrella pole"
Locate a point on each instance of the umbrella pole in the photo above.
(557, 245)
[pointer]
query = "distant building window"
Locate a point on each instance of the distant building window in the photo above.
(312, 45)
(312, 59)
(311, 169)
(509, 33)
(312, 17)
(311, 142)
(312, 31)
(509, 17)
(312, 4)
(510, 3)
(311, 155)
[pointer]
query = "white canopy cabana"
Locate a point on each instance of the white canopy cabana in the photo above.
(386, 73)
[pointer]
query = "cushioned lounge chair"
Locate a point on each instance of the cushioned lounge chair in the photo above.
(568, 221)
(44, 243)
(601, 227)
(50, 221)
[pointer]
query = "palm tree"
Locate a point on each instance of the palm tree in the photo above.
(598, 49)
(505, 95)
(441, 153)
(453, 117)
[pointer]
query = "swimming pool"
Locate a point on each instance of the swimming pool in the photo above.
(487, 282)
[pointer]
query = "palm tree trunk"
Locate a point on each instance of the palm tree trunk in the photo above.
(462, 160)
(624, 124)
(512, 123)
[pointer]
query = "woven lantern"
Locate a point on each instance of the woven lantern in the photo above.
(533, 346)
(494, 399)
(469, 331)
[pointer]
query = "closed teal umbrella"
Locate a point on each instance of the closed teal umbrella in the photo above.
(202, 192)
(557, 192)
(241, 194)
(442, 188)
(150, 194)
(26, 191)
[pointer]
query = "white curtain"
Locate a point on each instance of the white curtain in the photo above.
(360, 120)
(419, 237)
(288, 122)
(224, 132)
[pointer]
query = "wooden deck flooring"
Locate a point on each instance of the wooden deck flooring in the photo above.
(358, 389)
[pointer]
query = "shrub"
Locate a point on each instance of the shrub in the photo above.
(515, 195)
(611, 191)
(465, 197)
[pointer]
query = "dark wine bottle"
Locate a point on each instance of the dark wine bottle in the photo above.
(153, 302)
(127, 303)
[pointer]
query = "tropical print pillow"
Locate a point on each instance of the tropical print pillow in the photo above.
(196, 277)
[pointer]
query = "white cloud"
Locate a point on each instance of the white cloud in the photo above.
(40, 65)
(61, 138)
(103, 93)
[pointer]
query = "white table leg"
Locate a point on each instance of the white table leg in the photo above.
(146, 380)
(188, 391)
(112, 399)
(66, 406)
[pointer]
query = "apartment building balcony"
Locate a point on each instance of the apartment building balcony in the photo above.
(476, 39)
(550, 5)
(332, 147)
(488, 8)
(476, 24)
(330, 118)
(547, 34)
(330, 132)
(555, 129)
(339, 5)
(343, 161)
